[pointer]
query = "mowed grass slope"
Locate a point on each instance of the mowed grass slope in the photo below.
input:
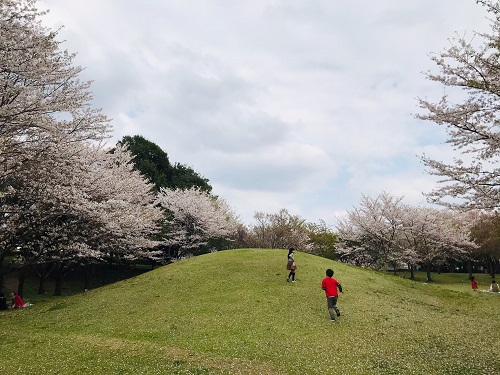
(232, 312)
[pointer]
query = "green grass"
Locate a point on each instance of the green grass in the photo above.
(454, 281)
(232, 312)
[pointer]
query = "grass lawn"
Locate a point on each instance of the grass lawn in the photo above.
(232, 312)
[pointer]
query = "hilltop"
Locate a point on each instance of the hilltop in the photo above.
(232, 312)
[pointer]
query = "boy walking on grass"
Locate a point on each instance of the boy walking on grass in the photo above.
(330, 285)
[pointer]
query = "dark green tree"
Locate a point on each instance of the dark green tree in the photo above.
(323, 240)
(184, 177)
(153, 162)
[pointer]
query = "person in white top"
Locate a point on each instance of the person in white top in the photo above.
(494, 287)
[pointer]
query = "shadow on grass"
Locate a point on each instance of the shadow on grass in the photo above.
(102, 275)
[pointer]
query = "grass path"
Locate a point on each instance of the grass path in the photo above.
(232, 312)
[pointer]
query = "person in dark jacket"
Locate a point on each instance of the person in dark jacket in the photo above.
(290, 265)
(3, 302)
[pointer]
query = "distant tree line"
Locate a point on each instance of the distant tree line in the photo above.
(283, 230)
(384, 231)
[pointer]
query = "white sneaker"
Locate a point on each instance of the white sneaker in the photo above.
(294, 281)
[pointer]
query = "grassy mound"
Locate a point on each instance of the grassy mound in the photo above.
(233, 312)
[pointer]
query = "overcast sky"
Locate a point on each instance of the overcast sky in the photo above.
(297, 104)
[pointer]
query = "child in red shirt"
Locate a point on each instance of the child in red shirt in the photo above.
(330, 285)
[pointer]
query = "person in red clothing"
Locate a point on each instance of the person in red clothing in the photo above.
(17, 302)
(473, 283)
(330, 286)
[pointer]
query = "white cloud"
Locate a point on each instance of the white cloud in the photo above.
(303, 105)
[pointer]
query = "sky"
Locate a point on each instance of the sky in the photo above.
(303, 105)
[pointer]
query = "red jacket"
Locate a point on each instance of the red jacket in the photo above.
(329, 285)
(17, 301)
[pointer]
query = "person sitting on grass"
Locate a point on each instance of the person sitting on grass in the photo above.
(494, 288)
(17, 301)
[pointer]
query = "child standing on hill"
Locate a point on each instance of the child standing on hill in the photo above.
(330, 285)
(290, 265)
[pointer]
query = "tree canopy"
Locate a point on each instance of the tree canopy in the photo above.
(469, 110)
(154, 163)
(384, 231)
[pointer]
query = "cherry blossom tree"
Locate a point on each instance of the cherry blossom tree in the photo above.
(83, 205)
(486, 233)
(370, 235)
(280, 230)
(41, 96)
(63, 198)
(432, 236)
(385, 231)
(120, 210)
(469, 110)
(195, 220)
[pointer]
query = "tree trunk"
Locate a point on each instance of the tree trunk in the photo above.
(412, 273)
(103, 272)
(469, 267)
(2, 274)
(491, 267)
(20, 284)
(428, 272)
(453, 266)
(61, 271)
(88, 271)
(44, 273)
(41, 284)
